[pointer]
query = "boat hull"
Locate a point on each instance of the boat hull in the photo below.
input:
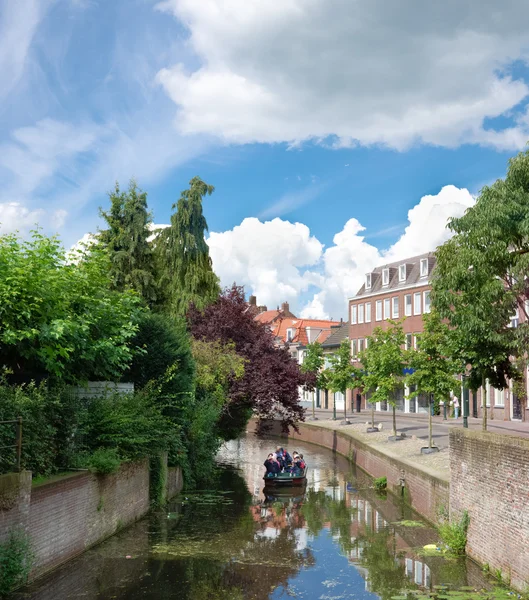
(286, 479)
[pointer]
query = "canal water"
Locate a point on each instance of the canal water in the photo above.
(336, 539)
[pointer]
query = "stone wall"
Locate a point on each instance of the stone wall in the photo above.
(175, 481)
(490, 479)
(425, 492)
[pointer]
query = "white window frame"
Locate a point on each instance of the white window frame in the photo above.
(385, 277)
(515, 319)
(387, 308)
(378, 310)
(353, 314)
(424, 267)
(369, 281)
(402, 273)
(415, 338)
(416, 296)
(354, 349)
(408, 344)
(290, 334)
(497, 395)
(408, 310)
(426, 294)
(360, 345)
(395, 307)
(368, 312)
(360, 313)
(366, 342)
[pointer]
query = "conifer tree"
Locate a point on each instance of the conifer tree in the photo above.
(126, 240)
(186, 272)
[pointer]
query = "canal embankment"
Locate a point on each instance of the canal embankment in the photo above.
(67, 515)
(485, 474)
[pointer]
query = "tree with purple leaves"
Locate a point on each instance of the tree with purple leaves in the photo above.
(269, 387)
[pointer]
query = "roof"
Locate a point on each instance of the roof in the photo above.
(337, 335)
(413, 275)
(267, 316)
(301, 326)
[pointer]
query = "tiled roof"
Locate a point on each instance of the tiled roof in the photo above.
(301, 325)
(337, 335)
(413, 275)
(267, 316)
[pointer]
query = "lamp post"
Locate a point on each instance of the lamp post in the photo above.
(444, 409)
(465, 403)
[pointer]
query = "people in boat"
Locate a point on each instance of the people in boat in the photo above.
(298, 465)
(272, 465)
(284, 458)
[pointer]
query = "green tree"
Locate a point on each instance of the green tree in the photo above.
(185, 266)
(383, 362)
(341, 374)
(59, 317)
(126, 240)
(434, 367)
(480, 280)
(313, 366)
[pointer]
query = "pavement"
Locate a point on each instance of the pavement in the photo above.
(417, 424)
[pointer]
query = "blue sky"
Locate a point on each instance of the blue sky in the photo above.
(312, 121)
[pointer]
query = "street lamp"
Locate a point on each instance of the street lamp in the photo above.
(464, 403)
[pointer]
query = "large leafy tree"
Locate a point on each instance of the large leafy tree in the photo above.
(127, 241)
(383, 362)
(341, 375)
(312, 366)
(269, 386)
(186, 273)
(59, 318)
(480, 280)
(434, 368)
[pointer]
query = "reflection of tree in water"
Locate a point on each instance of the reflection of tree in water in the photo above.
(223, 547)
(379, 556)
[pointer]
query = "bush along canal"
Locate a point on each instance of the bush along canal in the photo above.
(340, 537)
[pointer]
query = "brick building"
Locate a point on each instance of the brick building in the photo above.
(402, 290)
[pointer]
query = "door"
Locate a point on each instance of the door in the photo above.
(516, 407)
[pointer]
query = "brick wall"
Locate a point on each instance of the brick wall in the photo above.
(425, 492)
(15, 496)
(490, 479)
(175, 482)
(72, 514)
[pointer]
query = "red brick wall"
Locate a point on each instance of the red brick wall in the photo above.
(490, 479)
(15, 495)
(69, 515)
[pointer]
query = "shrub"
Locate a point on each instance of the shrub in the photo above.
(16, 560)
(104, 461)
(381, 484)
(454, 535)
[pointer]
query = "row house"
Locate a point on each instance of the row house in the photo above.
(401, 290)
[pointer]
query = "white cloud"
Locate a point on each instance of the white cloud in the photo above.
(278, 260)
(368, 72)
(14, 216)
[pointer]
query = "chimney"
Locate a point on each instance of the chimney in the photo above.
(252, 300)
(262, 309)
(285, 307)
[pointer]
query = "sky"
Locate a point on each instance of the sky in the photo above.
(339, 134)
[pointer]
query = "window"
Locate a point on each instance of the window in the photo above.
(395, 307)
(366, 343)
(426, 301)
(386, 308)
(499, 397)
(424, 267)
(402, 273)
(417, 303)
(407, 305)
(353, 314)
(385, 276)
(378, 310)
(360, 313)
(290, 334)
(515, 319)
(354, 351)
(368, 312)
(360, 346)
(415, 338)
(368, 281)
(409, 341)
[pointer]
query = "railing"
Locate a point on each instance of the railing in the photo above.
(18, 441)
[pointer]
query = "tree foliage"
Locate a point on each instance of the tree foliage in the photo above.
(271, 376)
(183, 255)
(127, 242)
(60, 318)
(383, 362)
(341, 374)
(312, 366)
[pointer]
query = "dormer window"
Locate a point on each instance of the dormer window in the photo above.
(290, 334)
(385, 277)
(402, 273)
(368, 281)
(424, 267)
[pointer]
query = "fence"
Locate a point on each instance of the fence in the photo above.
(18, 441)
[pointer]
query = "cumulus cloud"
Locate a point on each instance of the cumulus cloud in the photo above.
(14, 216)
(368, 72)
(278, 260)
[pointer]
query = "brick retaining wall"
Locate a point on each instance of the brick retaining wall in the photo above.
(175, 482)
(490, 479)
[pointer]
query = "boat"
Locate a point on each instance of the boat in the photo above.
(286, 479)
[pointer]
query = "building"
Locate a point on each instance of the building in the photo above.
(402, 290)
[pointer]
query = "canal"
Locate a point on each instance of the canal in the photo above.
(337, 539)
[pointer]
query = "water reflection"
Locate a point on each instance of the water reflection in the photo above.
(336, 539)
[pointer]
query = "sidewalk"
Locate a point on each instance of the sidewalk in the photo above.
(417, 424)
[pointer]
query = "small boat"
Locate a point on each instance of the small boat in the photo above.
(286, 478)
